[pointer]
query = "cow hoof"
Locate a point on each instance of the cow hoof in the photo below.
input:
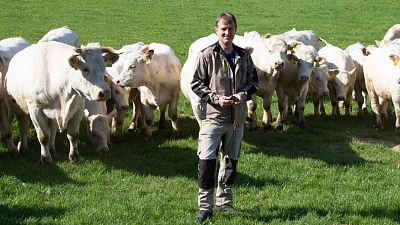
(267, 127)
(252, 128)
(147, 137)
(161, 125)
(74, 157)
(279, 127)
(303, 125)
(21, 149)
(103, 151)
(45, 159)
(365, 110)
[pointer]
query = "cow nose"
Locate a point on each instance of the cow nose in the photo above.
(117, 82)
(124, 107)
(279, 65)
(341, 98)
(303, 78)
(105, 94)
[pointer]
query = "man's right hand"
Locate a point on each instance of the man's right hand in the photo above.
(225, 101)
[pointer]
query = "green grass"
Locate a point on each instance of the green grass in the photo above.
(335, 172)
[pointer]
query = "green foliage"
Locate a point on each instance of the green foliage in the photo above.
(334, 172)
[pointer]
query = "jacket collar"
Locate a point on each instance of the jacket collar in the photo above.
(239, 51)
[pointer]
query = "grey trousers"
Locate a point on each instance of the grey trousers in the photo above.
(227, 138)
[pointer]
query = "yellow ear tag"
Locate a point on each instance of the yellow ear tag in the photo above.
(292, 61)
(108, 62)
(317, 64)
(396, 61)
(292, 51)
(332, 77)
(148, 60)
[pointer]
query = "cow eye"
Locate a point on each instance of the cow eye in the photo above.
(132, 67)
(86, 70)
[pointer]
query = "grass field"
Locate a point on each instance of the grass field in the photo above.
(336, 172)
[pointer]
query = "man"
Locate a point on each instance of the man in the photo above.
(225, 78)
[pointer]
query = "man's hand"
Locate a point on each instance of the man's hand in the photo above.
(225, 101)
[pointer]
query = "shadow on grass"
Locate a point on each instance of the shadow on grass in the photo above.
(19, 215)
(295, 213)
(322, 139)
(162, 155)
(28, 169)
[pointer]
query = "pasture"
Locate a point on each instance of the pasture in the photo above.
(335, 172)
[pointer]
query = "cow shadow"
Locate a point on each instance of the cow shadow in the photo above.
(297, 212)
(321, 139)
(18, 215)
(27, 168)
(162, 155)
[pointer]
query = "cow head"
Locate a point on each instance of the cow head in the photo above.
(343, 82)
(119, 96)
(305, 57)
(135, 69)
(90, 64)
(320, 77)
(276, 51)
(98, 130)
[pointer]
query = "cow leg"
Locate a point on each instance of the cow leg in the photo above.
(173, 115)
(251, 119)
(73, 136)
(5, 127)
(136, 111)
(147, 120)
(300, 107)
(321, 106)
(396, 103)
(53, 132)
(347, 103)
(43, 133)
(384, 110)
(267, 116)
(118, 123)
(375, 105)
(315, 99)
(364, 106)
(360, 100)
(161, 123)
(23, 126)
(282, 106)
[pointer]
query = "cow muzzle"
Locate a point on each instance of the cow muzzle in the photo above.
(279, 65)
(341, 98)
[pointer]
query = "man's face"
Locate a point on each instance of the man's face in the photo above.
(225, 31)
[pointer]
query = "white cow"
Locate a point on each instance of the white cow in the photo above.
(62, 34)
(156, 67)
(8, 48)
(49, 82)
(340, 86)
(293, 81)
(307, 37)
(392, 34)
(382, 78)
(98, 124)
(358, 52)
(318, 87)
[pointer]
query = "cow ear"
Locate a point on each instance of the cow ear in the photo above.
(267, 35)
(318, 61)
(292, 58)
(110, 56)
(377, 43)
(394, 58)
(149, 55)
(365, 52)
(293, 44)
(75, 61)
(353, 72)
(333, 73)
(250, 50)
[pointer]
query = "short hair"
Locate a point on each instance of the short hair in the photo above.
(229, 17)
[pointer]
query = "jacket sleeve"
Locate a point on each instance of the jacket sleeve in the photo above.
(251, 85)
(201, 81)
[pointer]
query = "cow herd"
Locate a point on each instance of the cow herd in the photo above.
(57, 83)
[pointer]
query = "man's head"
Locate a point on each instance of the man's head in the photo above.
(225, 28)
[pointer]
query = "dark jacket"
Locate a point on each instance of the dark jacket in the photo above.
(214, 77)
